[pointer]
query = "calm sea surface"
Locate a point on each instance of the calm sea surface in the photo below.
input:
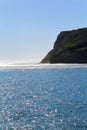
(43, 99)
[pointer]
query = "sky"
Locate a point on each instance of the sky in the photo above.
(29, 28)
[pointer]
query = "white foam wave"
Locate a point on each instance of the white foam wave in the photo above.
(38, 66)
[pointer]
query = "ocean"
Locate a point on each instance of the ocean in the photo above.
(43, 97)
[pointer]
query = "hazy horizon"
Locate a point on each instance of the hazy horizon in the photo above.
(29, 28)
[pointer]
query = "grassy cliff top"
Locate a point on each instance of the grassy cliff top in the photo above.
(72, 39)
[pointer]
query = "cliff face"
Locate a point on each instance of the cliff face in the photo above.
(70, 47)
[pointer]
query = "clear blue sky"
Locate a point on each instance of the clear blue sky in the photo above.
(28, 28)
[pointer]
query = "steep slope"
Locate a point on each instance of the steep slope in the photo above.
(70, 47)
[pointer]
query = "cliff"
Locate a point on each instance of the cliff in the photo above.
(70, 47)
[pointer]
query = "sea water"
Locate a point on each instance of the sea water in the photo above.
(43, 98)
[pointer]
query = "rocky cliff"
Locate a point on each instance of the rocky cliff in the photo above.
(70, 47)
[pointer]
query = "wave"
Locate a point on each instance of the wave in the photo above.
(39, 65)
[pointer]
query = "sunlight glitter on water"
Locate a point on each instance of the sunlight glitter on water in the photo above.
(43, 99)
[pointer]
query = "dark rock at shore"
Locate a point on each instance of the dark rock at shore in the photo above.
(70, 47)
